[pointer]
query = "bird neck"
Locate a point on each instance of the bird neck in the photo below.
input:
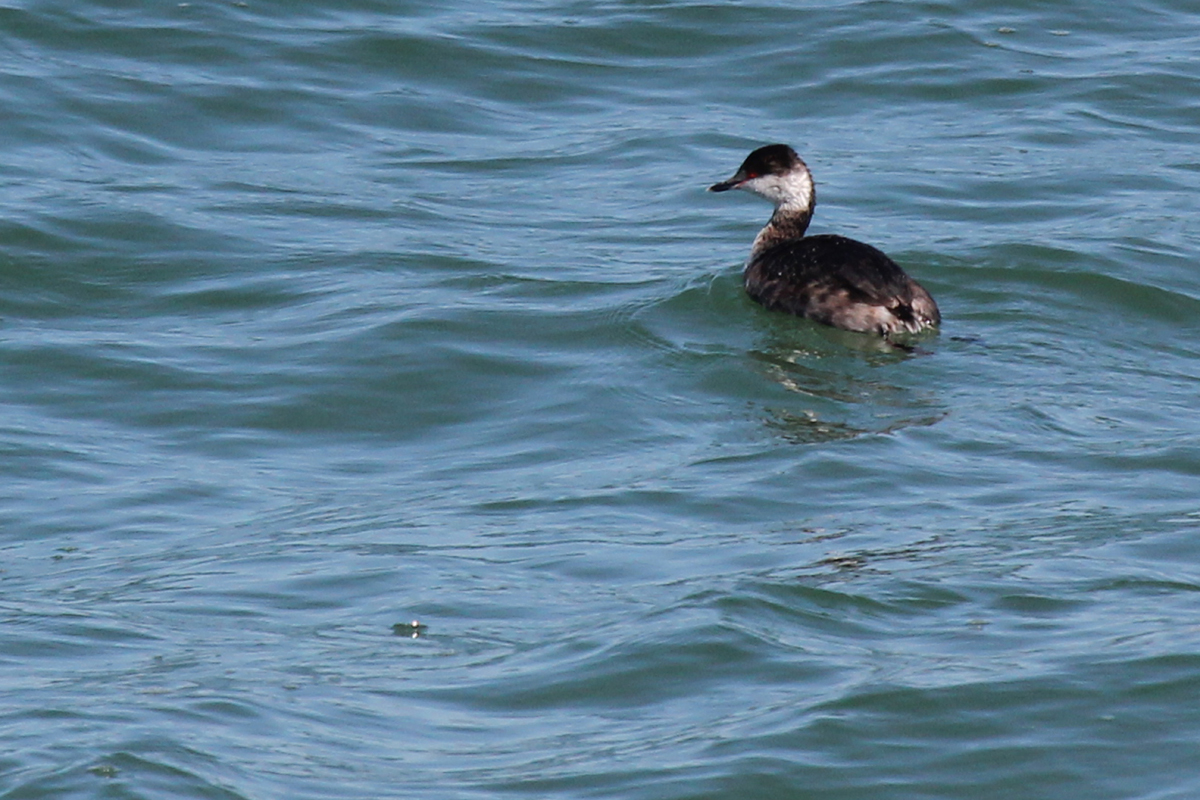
(788, 222)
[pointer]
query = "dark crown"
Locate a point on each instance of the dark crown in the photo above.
(773, 159)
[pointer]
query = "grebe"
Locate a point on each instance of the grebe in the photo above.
(827, 278)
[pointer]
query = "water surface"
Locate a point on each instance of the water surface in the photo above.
(318, 322)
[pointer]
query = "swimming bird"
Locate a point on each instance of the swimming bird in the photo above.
(831, 279)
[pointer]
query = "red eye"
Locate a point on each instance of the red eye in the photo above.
(751, 176)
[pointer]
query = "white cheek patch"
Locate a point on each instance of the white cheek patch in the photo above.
(794, 189)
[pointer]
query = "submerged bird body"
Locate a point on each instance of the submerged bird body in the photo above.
(827, 278)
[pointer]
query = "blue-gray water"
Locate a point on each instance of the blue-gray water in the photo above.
(317, 319)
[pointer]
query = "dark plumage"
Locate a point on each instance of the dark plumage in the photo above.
(831, 279)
